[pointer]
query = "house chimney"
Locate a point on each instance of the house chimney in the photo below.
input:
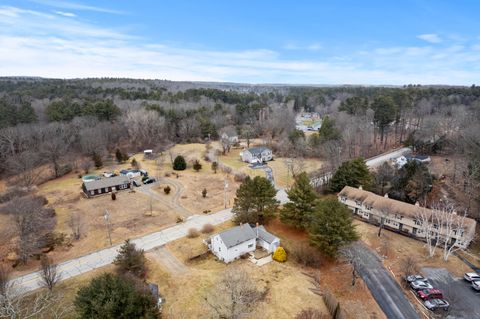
(360, 187)
(386, 195)
(417, 203)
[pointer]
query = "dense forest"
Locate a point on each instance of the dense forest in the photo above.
(50, 121)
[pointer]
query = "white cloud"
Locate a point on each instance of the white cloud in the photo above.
(309, 47)
(51, 45)
(430, 37)
(75, 6)
(66, 14)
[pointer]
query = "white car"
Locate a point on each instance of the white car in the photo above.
(420, 284)
(471, 276)
(476, 285)
(413, 278)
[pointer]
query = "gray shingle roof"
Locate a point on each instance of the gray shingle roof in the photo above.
(106, 182)
(257, 150)
(237, 235)
(264, 234)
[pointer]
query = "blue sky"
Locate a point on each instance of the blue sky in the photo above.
(298, 42)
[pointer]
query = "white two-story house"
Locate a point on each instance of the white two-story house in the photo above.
(257, 155)
(231, 244)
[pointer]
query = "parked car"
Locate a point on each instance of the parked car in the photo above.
(149, 180)
(434, 304)
(413, 278)
(420, 284)
(476, 285)
(426, 294)
(471, 276)
(109, 174)
(136, 183)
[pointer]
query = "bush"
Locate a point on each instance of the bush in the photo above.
(207, 228)
(280, 255)
(311, 313)
(135, 164)
(120, 156)
(179, 163)
(204, 193)
(214, 167)
(192, 233)
(167, 190)
(197, 166)
(305, 255)
(239, 177)
(114, 197)
(97, 160)
(207, 211)
(179, 220)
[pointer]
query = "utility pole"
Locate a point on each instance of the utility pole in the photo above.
(106, 216)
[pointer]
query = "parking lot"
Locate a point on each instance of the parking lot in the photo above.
(464, 301)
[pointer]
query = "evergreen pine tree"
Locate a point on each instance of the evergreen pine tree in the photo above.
(131, 260)
(302, 203)
(351, 173)
(255, 200)
(331, 226)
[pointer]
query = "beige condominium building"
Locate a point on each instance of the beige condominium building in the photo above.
(409, 219)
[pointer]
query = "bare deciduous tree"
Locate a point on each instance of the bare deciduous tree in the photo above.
(234, 296)
(351, 255)
(23, 166)
(409, 266)
(32, 221)
(4, 279)
(77, 225)
(49, 273)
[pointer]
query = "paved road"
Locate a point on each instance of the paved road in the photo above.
(386, 291)
(78, 266)
(463, 299)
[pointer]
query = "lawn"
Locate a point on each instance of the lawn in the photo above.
(288, 287)
(280, 172)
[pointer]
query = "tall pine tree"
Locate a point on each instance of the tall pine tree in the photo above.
(303, 198)
(351, 173)
(331, 226)
(255, 201)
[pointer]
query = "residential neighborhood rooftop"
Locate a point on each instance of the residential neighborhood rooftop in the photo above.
(106, 182)
(237, 235)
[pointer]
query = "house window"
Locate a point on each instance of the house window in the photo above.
(417, 222)
(398, 216)
(387, 221)
(358, 203)
(368, 207)
(343, 199)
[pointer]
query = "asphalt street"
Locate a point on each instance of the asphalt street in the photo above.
(386, 291)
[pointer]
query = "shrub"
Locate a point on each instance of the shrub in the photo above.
(206, 211)
(311, 313)
(97, 160)
(192, 233)
(121, 157)
(305, 255)
(226, 169)
(114, 197)
(179, 163)
(167, 190)
(135, 164)
(207, 228)
(214, 167)
(197, 166)
(179, 220)
(239, 177)
(280, 255)
(204, 193)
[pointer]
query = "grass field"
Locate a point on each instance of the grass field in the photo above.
(280, 172)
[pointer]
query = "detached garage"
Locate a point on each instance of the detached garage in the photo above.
(105, 185)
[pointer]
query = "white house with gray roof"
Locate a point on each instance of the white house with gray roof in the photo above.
(237, 241)
(257, 155)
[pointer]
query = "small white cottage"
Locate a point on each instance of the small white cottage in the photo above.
(257, 155)
(237, 241)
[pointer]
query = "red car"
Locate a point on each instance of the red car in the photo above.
(426, 294)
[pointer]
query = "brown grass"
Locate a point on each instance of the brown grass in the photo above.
(193, 233)
(208, 228)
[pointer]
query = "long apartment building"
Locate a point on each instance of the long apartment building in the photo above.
(400, 216)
